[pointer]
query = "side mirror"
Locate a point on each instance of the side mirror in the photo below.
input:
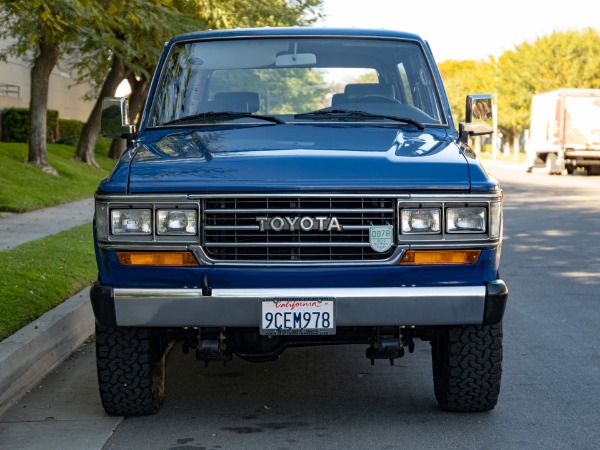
(115, 118)
(479, 117)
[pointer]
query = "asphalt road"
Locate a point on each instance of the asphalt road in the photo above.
(332, 398)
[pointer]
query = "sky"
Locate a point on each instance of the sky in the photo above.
(466, 29)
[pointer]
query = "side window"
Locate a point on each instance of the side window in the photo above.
(177, 94)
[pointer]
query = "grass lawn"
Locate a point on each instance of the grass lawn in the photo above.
(24, 187)
(39, 275)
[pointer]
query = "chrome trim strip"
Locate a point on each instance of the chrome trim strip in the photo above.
(297, 210)
(231, 227)
(302, 195)
(285, 244)
(457, 197)
(337, 293)
(436, 245)
(257, 228)
(143, 246)
(204, 259)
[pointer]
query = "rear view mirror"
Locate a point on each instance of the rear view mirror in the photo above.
(296, 59)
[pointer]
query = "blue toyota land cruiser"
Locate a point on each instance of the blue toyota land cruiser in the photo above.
(294, 187)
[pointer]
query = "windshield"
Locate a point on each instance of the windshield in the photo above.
(295, 80)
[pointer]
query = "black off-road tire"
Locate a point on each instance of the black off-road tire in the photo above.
(467, 367)
(131, 370)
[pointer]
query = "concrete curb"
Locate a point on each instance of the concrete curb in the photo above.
(31, 353)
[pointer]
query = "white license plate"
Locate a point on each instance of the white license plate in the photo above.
(297, 316)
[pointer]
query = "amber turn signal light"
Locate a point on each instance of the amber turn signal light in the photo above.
(426, 257)
(157, 259)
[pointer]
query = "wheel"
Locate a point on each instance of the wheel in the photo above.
(467, 367)
(131, 370)
(593, 170)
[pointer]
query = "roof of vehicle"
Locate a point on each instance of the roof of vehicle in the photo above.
(297, 31)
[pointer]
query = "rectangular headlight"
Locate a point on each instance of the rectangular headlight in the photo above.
(420, 221)
(131, 221)
(177, 221)
(466, 220)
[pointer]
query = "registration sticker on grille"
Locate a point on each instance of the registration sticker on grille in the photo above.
(297, 316)
(381, 237)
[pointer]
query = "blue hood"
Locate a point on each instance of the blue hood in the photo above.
(297, 157)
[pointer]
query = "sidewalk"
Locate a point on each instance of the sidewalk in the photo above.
(16, 229)
(31, 353)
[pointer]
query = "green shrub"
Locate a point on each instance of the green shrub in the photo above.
(15, 124)
(68, 140)
(69, 129)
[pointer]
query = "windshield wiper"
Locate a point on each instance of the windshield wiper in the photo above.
(341, 113)
(224, 115)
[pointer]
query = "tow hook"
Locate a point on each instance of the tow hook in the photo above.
(385, 348)
(212, 347)
(389, 347)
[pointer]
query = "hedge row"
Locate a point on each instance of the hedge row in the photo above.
(15, 126)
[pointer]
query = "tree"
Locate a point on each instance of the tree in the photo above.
(89, 134)
(275, 13)
(465, 77)
(41, 30)
(198, 14)
(128, 34)
(569, 59)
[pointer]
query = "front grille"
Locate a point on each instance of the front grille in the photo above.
(294, 228)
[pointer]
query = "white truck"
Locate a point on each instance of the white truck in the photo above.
(565, 131)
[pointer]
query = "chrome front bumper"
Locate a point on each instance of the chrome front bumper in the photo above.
(418, 306)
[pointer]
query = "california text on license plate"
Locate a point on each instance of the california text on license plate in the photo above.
(297, 316)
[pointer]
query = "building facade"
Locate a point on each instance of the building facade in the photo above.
(65, 95)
